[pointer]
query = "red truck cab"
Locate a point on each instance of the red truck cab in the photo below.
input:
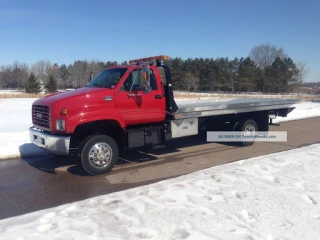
(117, 98)
(111, 95)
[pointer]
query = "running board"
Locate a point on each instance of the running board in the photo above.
(159, 146)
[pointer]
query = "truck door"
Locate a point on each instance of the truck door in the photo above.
(136, 106)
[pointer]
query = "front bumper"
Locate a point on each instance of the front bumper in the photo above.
(55, 144)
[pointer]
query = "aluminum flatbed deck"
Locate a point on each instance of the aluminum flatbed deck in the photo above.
(214, 107)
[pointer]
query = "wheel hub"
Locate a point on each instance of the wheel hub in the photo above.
(100, 154)
(249, 129)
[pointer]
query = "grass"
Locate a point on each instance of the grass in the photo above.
(20, 95)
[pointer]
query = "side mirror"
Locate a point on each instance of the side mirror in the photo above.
(146, 88)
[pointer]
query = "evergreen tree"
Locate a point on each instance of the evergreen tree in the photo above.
(52, 85)
(222, 74)
(32, 85)
(233, 68)
(177, 74)
(281, 75)
(248, 75)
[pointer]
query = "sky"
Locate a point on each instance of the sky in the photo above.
(119, 30)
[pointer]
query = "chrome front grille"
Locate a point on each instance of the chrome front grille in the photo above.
(41, 116)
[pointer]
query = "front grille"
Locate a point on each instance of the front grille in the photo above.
(41, 116)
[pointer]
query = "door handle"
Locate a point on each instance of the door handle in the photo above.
(157, 96)
(134, 94)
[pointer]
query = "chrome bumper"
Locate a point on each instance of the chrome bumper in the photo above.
(55, 144)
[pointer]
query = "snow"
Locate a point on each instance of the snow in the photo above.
(302, 110)
(185, 101)
(11, 91)
(15, 120)
(270, 197)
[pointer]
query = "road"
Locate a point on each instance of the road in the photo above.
(28, 185)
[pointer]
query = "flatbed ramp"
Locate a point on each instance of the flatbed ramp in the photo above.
(214, 107)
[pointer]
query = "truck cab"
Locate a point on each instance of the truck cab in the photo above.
(116, 101)
(134, 104)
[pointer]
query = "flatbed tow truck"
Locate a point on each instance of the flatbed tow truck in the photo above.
(133, 106)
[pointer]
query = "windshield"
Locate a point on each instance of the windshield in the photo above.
(108, 78)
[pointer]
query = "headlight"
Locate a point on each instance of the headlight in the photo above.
(60, 125)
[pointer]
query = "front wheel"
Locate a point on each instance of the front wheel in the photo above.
(98, 154)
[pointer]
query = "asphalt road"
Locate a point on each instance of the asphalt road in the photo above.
(32, 184)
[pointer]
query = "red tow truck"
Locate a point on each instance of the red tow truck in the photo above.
(133, 106)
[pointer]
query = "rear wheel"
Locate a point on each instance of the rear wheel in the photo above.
(98, 154)
(247, 127)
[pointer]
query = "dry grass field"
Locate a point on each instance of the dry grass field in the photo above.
(20, 95)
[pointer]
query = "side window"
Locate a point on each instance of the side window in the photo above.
(153, 82)
(135, 77)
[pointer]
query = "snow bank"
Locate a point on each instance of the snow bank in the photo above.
(302, 110)
(15, 120)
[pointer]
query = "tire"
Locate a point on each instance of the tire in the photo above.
(244, 126)
(98, 154)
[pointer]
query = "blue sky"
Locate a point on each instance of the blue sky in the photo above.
(65, 31)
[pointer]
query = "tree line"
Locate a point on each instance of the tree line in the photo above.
(266, 69)
(50, 76)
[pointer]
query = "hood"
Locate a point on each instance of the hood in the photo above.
(78, 100)
(79, 94)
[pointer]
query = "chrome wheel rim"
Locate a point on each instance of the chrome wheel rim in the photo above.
(249, 129)
(100, 155)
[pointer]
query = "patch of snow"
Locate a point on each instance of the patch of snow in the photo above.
(275, 196)
(6, 91)
(302, 110)
(15, 120)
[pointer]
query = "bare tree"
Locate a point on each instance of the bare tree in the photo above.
(265, 54)
(303, 71)
(5, 76)
(191, 81)
(13, 76)
(2, 76)
(19, 73)
(54, 72)
(78, 74)
(42, 70)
